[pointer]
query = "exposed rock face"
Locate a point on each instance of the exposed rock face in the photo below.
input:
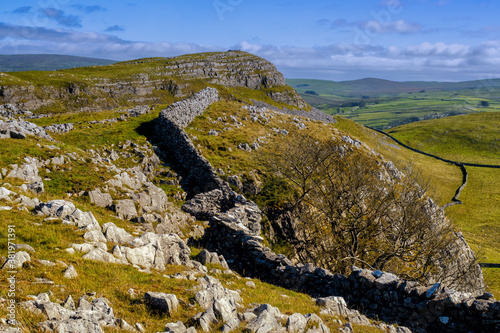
(165, 77)
(100, 199)
(161, 302)
(28, 172)
(88, 317)
(19, 129)
(16, 261)
(59, 128)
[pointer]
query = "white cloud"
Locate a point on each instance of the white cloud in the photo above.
(398, 26)
(438, 49)
(430, 61)
(22, 39)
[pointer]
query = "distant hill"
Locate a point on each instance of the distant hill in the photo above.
(371, 86)
(46, 62)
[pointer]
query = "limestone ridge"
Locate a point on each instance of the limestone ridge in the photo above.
(235, 232)
(144, 81)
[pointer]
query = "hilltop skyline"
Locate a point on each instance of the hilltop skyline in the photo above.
(428, 40)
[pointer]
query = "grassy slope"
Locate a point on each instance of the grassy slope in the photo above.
(46, 62)
(444, 178)
(111, 281)
(470, 138)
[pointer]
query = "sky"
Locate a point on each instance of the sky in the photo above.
(401, 40)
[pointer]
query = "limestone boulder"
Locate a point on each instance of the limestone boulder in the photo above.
(125, 209)
(161, 302)
(16, 261)
(100, 199)
(116, 235)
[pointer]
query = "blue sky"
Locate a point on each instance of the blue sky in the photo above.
(402, 40)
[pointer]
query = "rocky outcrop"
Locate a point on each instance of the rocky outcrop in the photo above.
(88, 317)
(20, 129)
(59, 128)
(156, 80)
(378, 294)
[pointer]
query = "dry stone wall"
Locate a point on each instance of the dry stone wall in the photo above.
(170, 134)
(234, 232)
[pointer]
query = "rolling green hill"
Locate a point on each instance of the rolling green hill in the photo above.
(46, 62)
(472, 138)
(378, 87)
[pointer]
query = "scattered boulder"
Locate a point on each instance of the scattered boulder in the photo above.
(100, 199)
(59, 128)
(16, 261)
(116, 235)
(161, 302)
(20, 129)
(36, 187)
(206, 257)
(125, 209)
(27, 172)
(177, 327)
(70, 272)
(94, 236)
(296, 323)
(55, 208)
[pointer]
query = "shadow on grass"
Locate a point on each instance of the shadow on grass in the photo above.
(147, 129)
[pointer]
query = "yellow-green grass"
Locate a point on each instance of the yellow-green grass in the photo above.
(472, 138)
(216, 148)
(113, 281)
(479, 213)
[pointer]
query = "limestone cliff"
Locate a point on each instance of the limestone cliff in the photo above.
(144, 81)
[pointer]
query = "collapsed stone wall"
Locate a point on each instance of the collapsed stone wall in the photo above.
(234, 231)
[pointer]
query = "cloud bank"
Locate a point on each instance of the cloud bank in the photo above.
(425, 61)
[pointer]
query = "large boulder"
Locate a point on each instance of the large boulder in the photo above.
(116, 235)
(125, 209)
(16, 261)
(55, 208)
(161, 302)
(100, 199)
(27, 172)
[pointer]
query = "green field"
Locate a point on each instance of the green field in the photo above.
(473, 138)
(384, 104)
(470, 138)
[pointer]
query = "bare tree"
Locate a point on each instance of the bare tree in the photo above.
(351, 212)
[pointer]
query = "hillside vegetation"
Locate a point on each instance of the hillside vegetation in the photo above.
(111, 147)
(470, 138)
(147, 81)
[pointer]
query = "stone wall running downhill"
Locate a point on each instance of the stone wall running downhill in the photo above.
(199, 176)
(234, 231)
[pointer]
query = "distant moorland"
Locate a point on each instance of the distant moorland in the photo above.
(46, 62)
